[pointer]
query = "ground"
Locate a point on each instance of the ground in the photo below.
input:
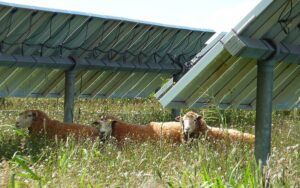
(53, 163)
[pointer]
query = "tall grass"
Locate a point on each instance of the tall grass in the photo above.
(36, 162)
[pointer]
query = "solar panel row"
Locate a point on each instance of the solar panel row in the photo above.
(229, 80)
(117, 58)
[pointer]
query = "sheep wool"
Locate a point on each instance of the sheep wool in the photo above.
(169, 131)
(38, 123)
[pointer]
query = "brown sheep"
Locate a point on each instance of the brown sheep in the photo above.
(194, 125)
(38, 123)
(111, 126)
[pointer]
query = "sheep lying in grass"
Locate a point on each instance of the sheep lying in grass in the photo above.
(194, 125)
(111, 126)
(38, 123)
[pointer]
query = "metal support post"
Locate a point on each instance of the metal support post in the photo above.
(69, 96)
(263, 126)
(69, 93)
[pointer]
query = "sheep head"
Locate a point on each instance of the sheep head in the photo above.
(191, 123)
(105, 125)
(26, 119)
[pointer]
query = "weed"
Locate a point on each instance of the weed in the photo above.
(36, 162)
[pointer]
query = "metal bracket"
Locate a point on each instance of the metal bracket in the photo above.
(261, 49)
(75, 61)
(275, 53)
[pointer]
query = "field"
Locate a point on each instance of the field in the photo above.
(53, 163)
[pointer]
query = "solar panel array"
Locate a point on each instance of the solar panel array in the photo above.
(226, 78)
(116, 58)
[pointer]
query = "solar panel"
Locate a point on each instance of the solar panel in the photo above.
(226, 74)
(115, 57)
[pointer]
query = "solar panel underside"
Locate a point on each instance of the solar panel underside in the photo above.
(137, 57)
(219, 78)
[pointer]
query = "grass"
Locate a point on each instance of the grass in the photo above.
(53, 163)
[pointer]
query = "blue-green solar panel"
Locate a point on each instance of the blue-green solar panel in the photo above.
(115, 57)
(226, 74)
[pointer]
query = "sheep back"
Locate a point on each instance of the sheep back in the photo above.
(42, 124)
(230, 134)
(122, 130)
(169, 131)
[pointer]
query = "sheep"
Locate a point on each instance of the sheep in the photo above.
(112, 126)
(194, 125)
(38, 123)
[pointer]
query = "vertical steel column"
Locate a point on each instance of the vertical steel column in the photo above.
(69, 93)
(176, 77)
(263, 126)
(69, 96)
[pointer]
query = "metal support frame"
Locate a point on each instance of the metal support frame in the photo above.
(176, 111)
(263, 126)
(69, 96)
(260, 48)
(268, 52)
(64, 63)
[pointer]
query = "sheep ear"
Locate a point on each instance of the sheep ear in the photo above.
(178, 118)
(199, 117)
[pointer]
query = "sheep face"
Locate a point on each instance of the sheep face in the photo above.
(105, 127)
(25, 119)
(189, 122)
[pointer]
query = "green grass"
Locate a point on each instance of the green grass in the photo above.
(38, 162)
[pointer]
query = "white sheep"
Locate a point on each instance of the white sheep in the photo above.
(194, 126)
